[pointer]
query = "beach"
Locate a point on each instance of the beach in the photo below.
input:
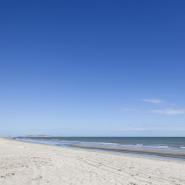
(24, 163)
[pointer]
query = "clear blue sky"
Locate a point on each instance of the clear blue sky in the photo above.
(97, 68)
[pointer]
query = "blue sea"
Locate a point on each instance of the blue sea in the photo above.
(160, 146)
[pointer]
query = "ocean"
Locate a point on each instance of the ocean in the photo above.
(159, 146)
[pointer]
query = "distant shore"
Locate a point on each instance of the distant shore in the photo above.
(27, 163)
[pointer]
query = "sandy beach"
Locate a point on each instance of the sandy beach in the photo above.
(35, 164)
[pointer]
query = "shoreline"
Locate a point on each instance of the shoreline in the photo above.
(145, 152)
(109, 151)
(154, 153)
(29, 163)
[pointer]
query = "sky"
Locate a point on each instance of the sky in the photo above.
(92, 68)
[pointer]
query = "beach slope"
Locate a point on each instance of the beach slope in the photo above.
(35, 164)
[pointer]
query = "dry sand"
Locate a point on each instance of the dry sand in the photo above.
(35, 164)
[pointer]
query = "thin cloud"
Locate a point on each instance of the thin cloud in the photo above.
(152, 101)
(169, 111)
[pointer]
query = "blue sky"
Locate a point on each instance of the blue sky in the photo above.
(92, 68)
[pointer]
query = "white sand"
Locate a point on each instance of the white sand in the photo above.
(35, 164)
